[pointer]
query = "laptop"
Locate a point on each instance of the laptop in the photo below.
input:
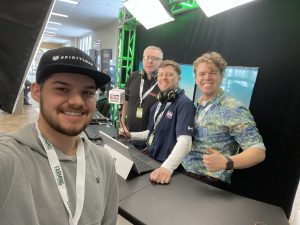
(128, 157)
(92, 130)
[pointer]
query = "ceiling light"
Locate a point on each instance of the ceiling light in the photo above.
(55, 23)
(48, 35)
(149, 13)
(69, 1)
(49, 32)
(58, 14)
(51, 28)
(213, 7)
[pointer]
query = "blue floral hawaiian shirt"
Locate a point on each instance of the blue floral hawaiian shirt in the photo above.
(225, 126)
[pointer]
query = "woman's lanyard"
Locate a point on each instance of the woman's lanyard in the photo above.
(201, 115)
(142, 97)
(59, 176)
(157, 120)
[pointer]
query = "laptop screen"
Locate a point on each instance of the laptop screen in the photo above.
(115, 144)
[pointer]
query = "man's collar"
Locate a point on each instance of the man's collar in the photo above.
(215, 100)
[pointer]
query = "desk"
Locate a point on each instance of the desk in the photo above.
(186, 201)
(128, 188)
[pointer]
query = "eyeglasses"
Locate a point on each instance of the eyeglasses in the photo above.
(151, 58)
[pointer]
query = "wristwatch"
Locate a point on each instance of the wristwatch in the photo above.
(229, 164)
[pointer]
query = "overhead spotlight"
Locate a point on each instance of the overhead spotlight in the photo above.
(213, 7)
(150, 13)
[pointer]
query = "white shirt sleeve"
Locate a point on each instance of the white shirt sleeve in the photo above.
(139, 136)
(260, 145)
(180, 150)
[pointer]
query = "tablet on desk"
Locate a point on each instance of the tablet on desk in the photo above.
(128, 158)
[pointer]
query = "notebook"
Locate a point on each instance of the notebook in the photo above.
(128, 158)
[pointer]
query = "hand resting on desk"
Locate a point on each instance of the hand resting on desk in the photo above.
(160, 176)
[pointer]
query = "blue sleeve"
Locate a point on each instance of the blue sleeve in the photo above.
(185, 119)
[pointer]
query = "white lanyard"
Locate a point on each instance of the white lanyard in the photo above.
(59, 176)
(201, 115)
(142, 97)
(161, 114)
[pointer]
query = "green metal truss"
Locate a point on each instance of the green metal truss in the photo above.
(127, 38)
(177, 6)
(125, 52)
(126, 47)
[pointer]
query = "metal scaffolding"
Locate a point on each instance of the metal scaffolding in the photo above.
(127, 38)
(126, 46)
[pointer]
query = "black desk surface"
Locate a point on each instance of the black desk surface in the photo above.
(130, 187)
(186, 201)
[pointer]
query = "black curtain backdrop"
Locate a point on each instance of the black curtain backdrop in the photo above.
(264, 33)
(20, 24)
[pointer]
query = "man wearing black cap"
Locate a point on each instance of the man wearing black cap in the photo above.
(49, 174)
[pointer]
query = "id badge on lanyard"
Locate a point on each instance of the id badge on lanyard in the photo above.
(158, 118)
(58, 175)
(151, 138)
(139, 110)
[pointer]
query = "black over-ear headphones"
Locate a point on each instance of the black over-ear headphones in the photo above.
(170, 96)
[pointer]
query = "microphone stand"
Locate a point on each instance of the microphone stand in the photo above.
(116, 96)
(119, 108)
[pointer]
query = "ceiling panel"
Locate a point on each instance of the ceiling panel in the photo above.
(87, 16)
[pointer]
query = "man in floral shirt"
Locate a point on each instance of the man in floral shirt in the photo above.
(222, 125)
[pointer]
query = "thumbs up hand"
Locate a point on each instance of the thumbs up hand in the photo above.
(214, 161)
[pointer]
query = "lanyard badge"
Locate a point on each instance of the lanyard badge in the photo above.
(143, 96)
(58, 175)
(139, 112)
(151, 138)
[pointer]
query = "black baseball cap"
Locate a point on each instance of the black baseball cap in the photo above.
(69, 60)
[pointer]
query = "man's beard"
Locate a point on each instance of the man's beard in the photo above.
(54, 124)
